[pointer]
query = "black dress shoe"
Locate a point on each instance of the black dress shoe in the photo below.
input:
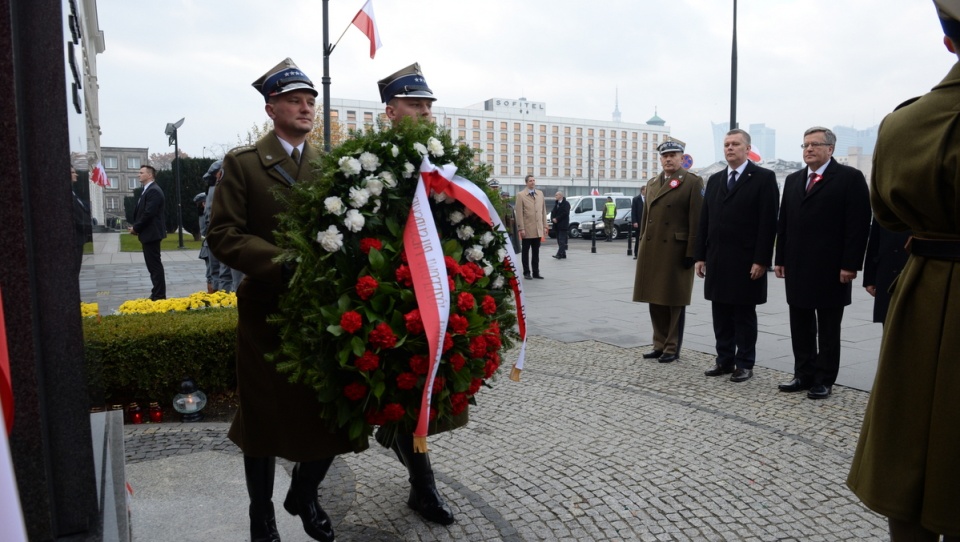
(794, 385)
(557, 256)
(819, 392)
(538, 276)
(527, 276)
(668, 358)
(653, 354)
(718, 370)
(741, 375)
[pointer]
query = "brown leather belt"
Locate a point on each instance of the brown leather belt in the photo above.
(938, 249)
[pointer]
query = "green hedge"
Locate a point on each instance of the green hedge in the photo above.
(143, 357)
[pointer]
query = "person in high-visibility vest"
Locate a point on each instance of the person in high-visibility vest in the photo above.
(609, 214)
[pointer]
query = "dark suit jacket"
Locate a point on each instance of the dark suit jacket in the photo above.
(561, 211)
(885, 259)
(737, 229)
(148, 218)
(636, 214)
(821, 233)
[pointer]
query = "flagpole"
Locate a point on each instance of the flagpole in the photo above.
(733, 72)
(341, 36)
(326, 79)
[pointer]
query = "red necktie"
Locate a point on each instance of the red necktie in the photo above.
(813, 180)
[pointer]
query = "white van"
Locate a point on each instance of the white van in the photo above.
(591, 208)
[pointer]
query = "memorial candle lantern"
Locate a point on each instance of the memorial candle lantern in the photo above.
(156, 414)
(190, 401)
(135, 413)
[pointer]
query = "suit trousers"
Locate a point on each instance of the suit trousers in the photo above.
(810, 329)
(735, 328)
(151, 255)
(666, 327)
(562, 234)
(531, 245)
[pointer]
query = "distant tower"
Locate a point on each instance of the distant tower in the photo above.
(655, 120)
(616, 107)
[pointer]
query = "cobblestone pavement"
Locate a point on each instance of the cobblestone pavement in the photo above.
(593, 444)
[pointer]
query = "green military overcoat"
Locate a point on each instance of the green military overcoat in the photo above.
(907, 463)
(668, 235)
(275, 417)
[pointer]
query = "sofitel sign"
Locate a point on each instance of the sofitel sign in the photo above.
(520, 105)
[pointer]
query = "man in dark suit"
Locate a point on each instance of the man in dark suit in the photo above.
(738, 223)
(561, 224)
(821, 238)
(636, 216)
(150, 227)
(886, 256)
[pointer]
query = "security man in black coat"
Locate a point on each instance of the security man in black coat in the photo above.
(561, 224)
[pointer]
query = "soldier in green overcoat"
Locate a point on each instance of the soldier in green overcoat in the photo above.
(907, 463)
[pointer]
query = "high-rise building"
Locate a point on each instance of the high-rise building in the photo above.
(516, 137)
(848, 136)
(764, 141)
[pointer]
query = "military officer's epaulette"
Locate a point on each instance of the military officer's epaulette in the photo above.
(242, 149)
(908, 102)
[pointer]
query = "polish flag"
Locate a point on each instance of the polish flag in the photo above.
(367, 24)
(98, 176)
(595, 192)
(754, 155)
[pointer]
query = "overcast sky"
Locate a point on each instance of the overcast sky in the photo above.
(801, 62)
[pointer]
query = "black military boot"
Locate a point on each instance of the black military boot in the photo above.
(302, 499)
(259, 474)
(424, 497)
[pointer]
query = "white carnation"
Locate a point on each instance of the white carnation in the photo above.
(395, 151)
(376, 206)
(334, 205)
(439, 197)
(420, 148)
(369, 161)
(465, 232)
(501, 254)
(388, 179)
(487, 268)
(474, 253)
(497, 282)
(349, 166)
(374, 185)
(331, 240)
(456, 217)
(408, 170)
(354, 220)
(455, 150)
(358, 197)
(435, 147)
(486, 238)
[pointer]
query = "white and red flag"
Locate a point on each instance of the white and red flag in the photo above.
(98, 176)
(754, 155)
(367, 23)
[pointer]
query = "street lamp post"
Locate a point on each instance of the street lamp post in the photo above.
(171, 132)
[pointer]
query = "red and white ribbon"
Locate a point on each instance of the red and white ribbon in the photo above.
(6, 382)
(425, 257)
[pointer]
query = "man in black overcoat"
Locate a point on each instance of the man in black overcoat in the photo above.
(738, 223)
(636, 216)
(886, 256)
(821, 238)
(150, 227)
(561, 224)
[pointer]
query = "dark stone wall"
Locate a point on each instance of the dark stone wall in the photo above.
(50, 442)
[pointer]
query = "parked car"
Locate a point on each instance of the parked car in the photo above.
(586, 207)
(620, 227)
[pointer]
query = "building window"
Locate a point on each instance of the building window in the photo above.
(462, 134)
(113, 181)
(543, 172)
(516, 149)
(110, 162)
(489, 136)
(555, 130)
(503, 125)
(476, 134)
(566, 141)
(603, 133)
(516, 126)
(543, 128)
(503, 170)
(476, 123)
(461, 123)
(113, 204)
(133, 162)
(489, 125)
(516, 137)
(556, 172)
(516, 170)
(132, 183)
(566, 130)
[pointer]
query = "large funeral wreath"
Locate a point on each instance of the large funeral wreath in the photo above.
(350, 322)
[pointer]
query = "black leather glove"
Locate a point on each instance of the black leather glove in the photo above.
(688, 263)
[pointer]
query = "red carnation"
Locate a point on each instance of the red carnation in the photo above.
(355, 391)
(489, 305)
(403, 256)
(457, 361)
(466, 301)
(494, 328)
(474, 386)
(468, 273)
(438, 384)
(414, 321)
(453, 285)
(351, 321)
(452, 267)
(458, 403)
(403, 276)
(490, 368)
(366, 286)
(478, 346)
(458, 324)
(407, 381)
(382, 336)
(368, 361)
(393, 412)
(419, 364)
(493, 342)
(369, 242)
(447, 342)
